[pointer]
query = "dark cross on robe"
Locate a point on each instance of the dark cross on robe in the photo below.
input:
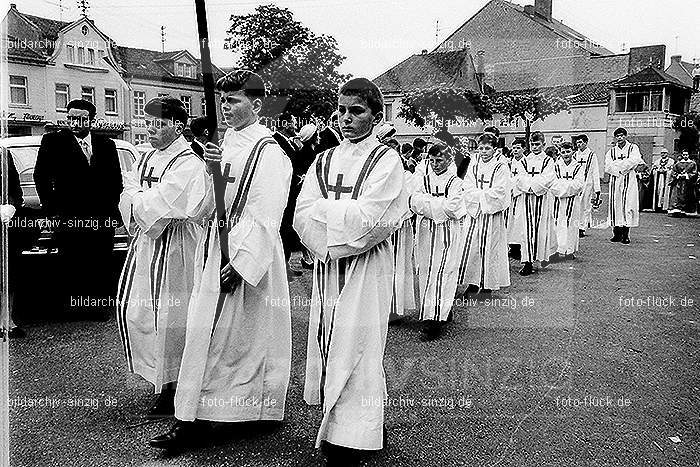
(481, 182)
(567, 176)
(437, 192)
(338, 188)
(226, 175)
(149, 178)
(533, 172)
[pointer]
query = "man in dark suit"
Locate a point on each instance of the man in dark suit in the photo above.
(78, 179)
(200, 130)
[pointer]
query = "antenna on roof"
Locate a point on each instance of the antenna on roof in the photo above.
(84, 6)
(162, 38)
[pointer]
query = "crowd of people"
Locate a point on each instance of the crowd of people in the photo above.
(203, 303)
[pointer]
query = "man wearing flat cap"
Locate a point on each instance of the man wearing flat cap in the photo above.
(164, 203)
(78, 179)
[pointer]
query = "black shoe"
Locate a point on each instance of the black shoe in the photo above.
(431, 330)
(164, 406)
(526, 270)
(339, 456)
(514, 252)
(556, 258)
(616, 235)
(471, 289)
(16, 333)
(544, 263)
(570, 257)
(181, 435)
(625, 236)
(581, 233)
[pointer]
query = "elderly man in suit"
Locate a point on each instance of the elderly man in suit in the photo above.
(78, 179)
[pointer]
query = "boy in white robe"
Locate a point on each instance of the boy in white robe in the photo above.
(515, 215)
(588, 161)
(487, 195)
(237, 356)
(535, 184)
(403, 294)
(567, 188)
(661, 173)
(352, 200)
(437, 201)
(162, 205)
(623, 207)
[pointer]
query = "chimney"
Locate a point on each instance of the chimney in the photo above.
(642, 57)
(696, 78)
(676, 58)
(543, 8)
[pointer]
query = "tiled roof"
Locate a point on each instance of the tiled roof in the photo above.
(149, 64)
(682, 71)
(575, 94)
(649, 75)
(431, 69)
(695, 102)
(49, 27)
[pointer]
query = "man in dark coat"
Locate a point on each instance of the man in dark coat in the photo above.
(78, 179)
(200, 130)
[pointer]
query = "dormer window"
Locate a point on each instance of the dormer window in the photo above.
(186, 70)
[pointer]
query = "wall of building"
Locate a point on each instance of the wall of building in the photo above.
(33, 116)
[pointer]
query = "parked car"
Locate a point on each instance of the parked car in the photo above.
(24, 151)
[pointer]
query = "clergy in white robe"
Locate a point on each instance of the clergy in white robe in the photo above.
(163, 203)
(661, 174)
(588, 161)
(403, 294)
(487, 196)
(352, 200)
(535, 183)
(437, 202)
(515, 215)
(623, 206)
(567, 188)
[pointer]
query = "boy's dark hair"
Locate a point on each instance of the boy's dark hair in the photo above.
(198, 125)
(393, 142)
(406, 148)
(250, 83)
(167, 108)
(365, 90)
(584, 138)
(82, 105)
(488, 138)
(446, 137)
(521, 142)
(419, 143)
(551, 150)
(537, 136)
(492, 129)
(437, 148)
(620, 131)
(567, 145)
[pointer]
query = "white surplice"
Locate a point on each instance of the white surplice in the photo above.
(163, 204)
(438, 204)
(515, 215)
(487, 196)
(237, 356)
(403, 296)
(588, 161)
(540, 241)
(567, 188)
(661, 173)
(351, 202)
(623, 205)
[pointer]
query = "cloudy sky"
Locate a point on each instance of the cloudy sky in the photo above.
(376, 34)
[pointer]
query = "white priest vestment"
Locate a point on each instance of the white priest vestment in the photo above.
(661, 172)
(403, 295)
(567, 188)
(237, 357)
(515, 215)
(438, 204)
(487, 195)
(623, 206)
(352, 200)
(535, 183)
(588, 161)
(163, 205)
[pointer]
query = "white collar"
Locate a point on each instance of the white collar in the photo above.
(87, 139)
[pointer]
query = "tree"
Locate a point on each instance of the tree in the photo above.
(299, 67)
(530, 107)
(443, 106)
(688, 127)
